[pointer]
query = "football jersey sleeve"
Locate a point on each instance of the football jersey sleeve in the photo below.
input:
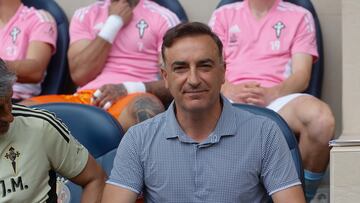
(218, 24)
(66, 155)
(44, 29)
(305, 37)
(167, 21)
(80, 27)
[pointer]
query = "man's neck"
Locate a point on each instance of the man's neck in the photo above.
(199, 125)
(259, 8)
(133, 3)
(8, 9)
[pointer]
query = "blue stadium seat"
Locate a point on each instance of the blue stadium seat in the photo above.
(57, 80)
(175, 7)
(287, 132)
(315, 85)
(93, 127)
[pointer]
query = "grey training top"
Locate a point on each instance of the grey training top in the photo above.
(244, 159)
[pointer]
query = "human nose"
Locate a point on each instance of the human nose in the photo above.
(193, 77)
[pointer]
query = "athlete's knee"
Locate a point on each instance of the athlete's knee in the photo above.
(322, 124)
(326, 122)
(145, 106)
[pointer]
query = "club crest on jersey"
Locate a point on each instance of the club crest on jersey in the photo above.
(11, 156)
(142, 25)
(278, 27)
(14, 34)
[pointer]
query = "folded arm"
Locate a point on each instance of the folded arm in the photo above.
(253, 93)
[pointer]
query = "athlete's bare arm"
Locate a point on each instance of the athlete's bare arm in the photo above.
(87, 57)
(92, 179)
(262, 96)
(296, 83)
(113, 92)
(32, 68)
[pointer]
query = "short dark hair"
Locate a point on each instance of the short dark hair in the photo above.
(189, 29)
(7, 79)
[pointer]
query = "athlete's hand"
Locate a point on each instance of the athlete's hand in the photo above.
(109, 93)
(239, 93)
(262, 96)
(121, 8)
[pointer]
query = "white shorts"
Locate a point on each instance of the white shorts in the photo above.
(280, 102)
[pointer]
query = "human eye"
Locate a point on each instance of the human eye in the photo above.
(206, 66)
(179, 68)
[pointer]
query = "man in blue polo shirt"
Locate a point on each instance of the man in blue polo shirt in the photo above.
(202, 149)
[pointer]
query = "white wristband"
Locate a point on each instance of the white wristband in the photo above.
(111, 27)
(133, 87)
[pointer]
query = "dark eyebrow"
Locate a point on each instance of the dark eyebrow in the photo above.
(178, 63)
(206, 61)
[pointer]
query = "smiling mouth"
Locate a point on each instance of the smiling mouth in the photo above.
(195, 94)
(194, 91)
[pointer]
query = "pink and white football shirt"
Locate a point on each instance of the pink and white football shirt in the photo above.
(27, 25)
(135, 52)
(261, 50)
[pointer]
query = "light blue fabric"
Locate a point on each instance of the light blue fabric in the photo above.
(244, 159)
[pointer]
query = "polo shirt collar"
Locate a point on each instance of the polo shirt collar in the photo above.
(226, 125)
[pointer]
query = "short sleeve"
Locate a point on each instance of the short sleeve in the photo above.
(305, 37)
(278, 170)
(127, 170)
(166, 21)
(80, 26)
(44, 29)
(66, 155)
(218, 24)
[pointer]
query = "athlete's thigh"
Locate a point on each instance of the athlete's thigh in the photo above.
(300, 111)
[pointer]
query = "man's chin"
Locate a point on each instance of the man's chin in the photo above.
(196, 106)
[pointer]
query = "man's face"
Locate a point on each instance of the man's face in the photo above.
(193, 73)
(5, 114)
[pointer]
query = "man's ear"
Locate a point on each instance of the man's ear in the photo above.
(164, 76)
